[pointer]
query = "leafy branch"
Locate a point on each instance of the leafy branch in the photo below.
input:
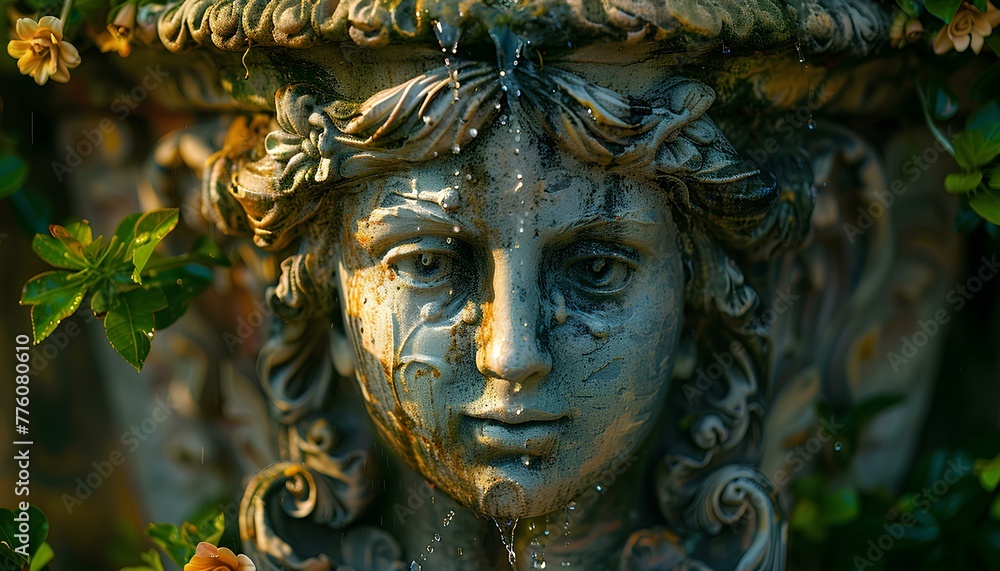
(133, 290)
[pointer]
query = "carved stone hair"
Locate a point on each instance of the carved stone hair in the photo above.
(728, 211)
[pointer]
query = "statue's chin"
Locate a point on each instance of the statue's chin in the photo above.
(504, 499)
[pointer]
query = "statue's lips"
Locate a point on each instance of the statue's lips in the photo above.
(535, 438)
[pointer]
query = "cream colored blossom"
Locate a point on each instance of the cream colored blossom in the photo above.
(40, 50)
(208, 557)
(969, 27)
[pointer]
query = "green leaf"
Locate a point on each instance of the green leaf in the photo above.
(38, 527)
(179, 286)
(910, 7)
(987, 205)
(54, 252)
(943, 101)
(988, 472)
(129, 323)
(842, 506)
(179, 543)
(71, 242)
(81, 231)
(807, 518)
(152, 562)
(94, 250)
(945, 10)
(149, 230)
(13, 173)
(54, 296)
(979, 4)
(126, 236)
(8, 528)
(960, 183)
(208, 528)
(42, 558)
(973, 149)
(168, 538)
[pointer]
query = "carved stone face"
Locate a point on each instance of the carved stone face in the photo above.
(515, 316)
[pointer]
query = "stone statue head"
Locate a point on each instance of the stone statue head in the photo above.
(521, 259)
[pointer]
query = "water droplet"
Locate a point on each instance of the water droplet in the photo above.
(456, 229)
(473, 132)
(519, 409)
(564, 564)
(456, 149)
(430, 549)
(600, 488)
(149, 334)
(531, 527)
(519, 176)
(571, 506)
(526, 461)
(802, 57)
(447, 519)
(468, 177)
(179, 281)
(516, 389)
(838, 446)
(503, 73)
(142, 239)
(414, 566)
(459, 551)
(437, 537)
(726, 50)
(811, 124)
(448, 240)
(517, 151)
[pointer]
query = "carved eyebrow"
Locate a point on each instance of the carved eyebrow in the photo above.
(392, 223)
(625, 224)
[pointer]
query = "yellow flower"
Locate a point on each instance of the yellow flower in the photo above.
(40, 50)
(119, 34)
(969, 27)
(208, 557)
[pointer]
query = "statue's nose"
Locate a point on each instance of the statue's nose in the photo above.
(510, 342)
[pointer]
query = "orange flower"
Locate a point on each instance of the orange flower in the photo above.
(40, 50)
(208, 557)
(969, 27)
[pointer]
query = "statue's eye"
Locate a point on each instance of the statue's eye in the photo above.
(424, 268)
(600, 274)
